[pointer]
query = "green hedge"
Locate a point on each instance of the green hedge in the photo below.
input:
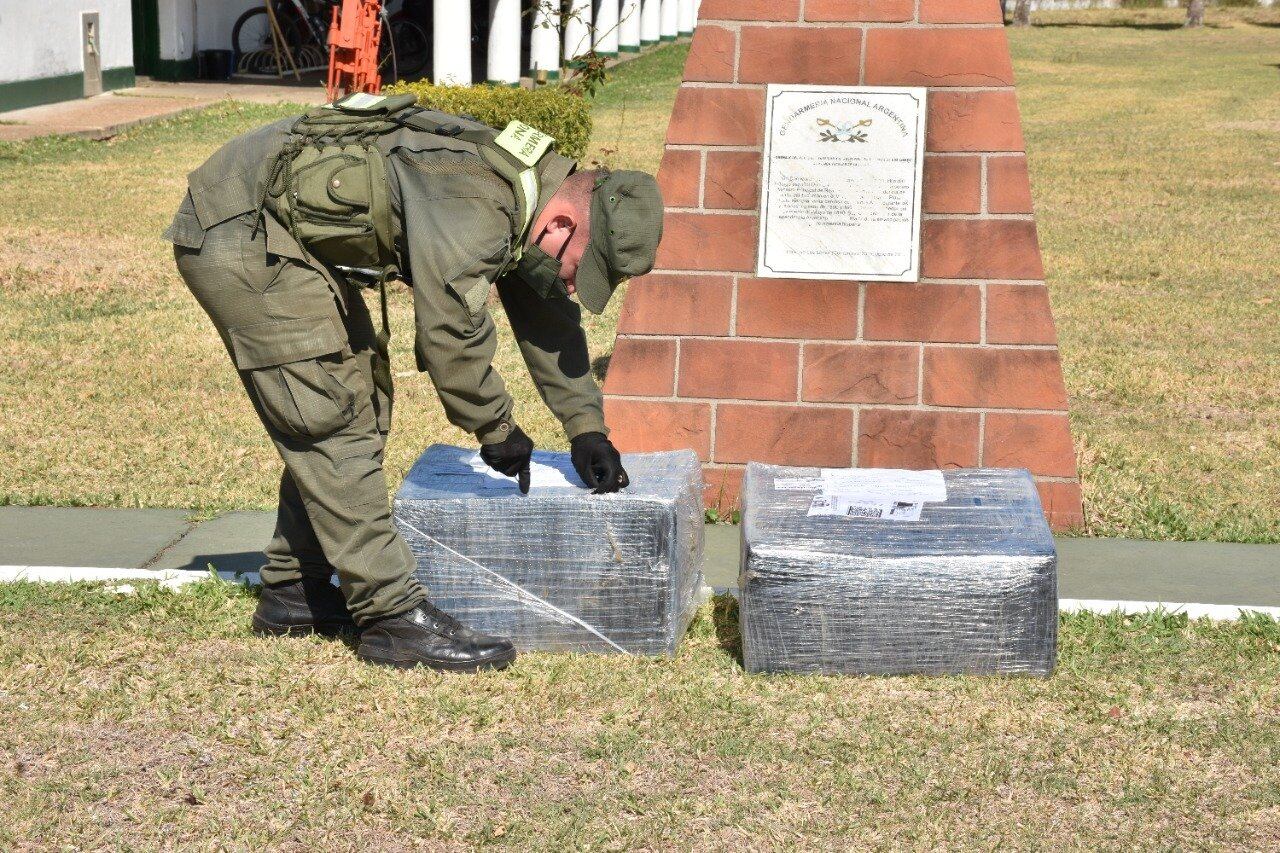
(548, 108)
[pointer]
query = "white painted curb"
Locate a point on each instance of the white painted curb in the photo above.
(1216, 612)
(170, 578)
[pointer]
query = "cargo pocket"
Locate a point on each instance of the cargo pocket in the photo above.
(296, 370)
(473, 293)
(472, 290)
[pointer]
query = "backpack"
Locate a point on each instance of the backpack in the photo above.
(328, 184)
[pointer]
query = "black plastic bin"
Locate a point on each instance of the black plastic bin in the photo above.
(215, 64)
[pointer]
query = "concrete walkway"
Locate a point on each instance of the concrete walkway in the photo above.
(1090, 569)
(109, 114)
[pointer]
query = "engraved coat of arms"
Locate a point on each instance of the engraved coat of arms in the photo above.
(834, 131)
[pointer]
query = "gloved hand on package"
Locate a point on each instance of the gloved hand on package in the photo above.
(598, 463)
(511, 456)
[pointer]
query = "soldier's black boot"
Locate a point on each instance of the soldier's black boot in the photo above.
(427, 636)
(307, 606)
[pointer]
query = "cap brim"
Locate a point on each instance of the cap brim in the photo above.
(591, 282)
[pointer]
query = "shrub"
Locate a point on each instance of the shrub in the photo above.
(548, 108)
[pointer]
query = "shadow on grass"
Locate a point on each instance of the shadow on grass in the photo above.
(600, 366)
(1120, 25)
(724, 617)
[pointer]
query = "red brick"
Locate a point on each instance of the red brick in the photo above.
(783, 308)
(659, 304)
(784, 435)
(960, 12)
(642, 367)
(981, 248)
(738, 370)
(749, 10)
(723, 487)
(800, 55)
(1039, 443)
(923, 312)
(641, 426)
(1063, 505)
(861, 373)
(679, 177)
(1008, 185)
(994, 378)
(717, 117)
(953, 56)
(711, 55)
(951, 185)
(896, 438)
(1019, 314)
(879, 11)
(974, 121)
(733, 180)
(707, 241)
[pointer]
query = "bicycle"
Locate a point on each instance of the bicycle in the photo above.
(303, 29)
(410, 41)
(405, 49)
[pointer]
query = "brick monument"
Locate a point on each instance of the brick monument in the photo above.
(959, 369)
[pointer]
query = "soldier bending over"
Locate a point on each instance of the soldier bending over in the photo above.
(269, 239)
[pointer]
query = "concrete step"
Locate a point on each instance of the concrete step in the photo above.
(1094, 569)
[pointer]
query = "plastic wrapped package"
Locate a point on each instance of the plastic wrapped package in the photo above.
(560, 569)
(970, 587)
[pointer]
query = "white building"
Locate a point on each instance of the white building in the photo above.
(53, 50)
(47, 47)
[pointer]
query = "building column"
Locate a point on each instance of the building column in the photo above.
(629, 26)
(577, 30)
(669, 20)
(685, 17)
(177, 40)
(650, 22)
(451, 43)
(606, 28)
(504, 42)
(544, 40)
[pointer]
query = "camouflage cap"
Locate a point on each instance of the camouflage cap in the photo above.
(626, 225)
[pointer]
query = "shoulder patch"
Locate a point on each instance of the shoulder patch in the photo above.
(524, 142)
(358, 101)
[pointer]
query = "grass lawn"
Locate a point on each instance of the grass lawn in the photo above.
(155, 721)
(1153, 156)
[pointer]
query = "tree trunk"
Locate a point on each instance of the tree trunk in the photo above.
(1195, 13)
(1022, 13)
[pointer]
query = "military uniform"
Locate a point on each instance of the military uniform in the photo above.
(309, 357)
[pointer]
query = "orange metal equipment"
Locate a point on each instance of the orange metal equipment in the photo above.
(354, 35)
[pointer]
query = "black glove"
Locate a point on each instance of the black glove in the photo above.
(598, 464)
(511, 456)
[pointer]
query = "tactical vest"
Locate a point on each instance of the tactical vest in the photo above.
(328, 184)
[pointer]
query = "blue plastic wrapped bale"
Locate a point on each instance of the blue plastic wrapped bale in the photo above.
(560, 569)
(970, 587)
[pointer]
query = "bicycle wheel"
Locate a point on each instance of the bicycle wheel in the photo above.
(412, 47)
(252, 32)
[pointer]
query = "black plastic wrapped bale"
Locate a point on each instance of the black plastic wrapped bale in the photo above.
(970, 587)
(560, 569)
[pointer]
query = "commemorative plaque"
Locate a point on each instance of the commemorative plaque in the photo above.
(840, 196)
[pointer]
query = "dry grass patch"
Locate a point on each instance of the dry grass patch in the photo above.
(156, 720)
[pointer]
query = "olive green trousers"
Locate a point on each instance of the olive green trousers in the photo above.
(306, 351)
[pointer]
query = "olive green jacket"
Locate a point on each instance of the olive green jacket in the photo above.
(457, 221)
